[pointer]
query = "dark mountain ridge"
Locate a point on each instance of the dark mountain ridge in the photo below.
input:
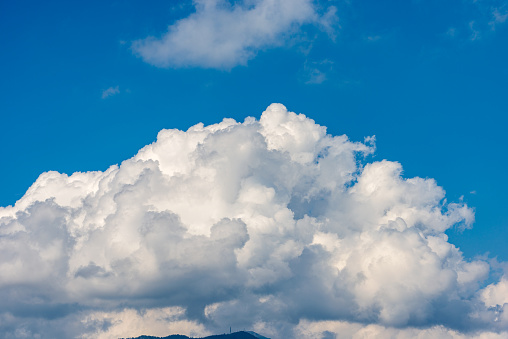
(236, 335)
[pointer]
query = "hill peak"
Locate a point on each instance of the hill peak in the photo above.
(235, 335)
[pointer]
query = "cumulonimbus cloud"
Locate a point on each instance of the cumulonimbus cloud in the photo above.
(269, 224)
(221, 35)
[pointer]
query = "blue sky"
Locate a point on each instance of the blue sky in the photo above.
(427, 78)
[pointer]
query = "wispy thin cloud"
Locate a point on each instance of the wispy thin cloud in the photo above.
(373, 38)
(223, 35)
(451, 32)
(479, 20)
(110, 92)
(475, 34)
(317, 72)
(499, 16)
(316, 76)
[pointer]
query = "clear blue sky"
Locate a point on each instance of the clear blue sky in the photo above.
(428, 78)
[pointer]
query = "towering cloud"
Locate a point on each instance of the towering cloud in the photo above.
(269, 224)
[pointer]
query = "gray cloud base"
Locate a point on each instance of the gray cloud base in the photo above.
(270, 225)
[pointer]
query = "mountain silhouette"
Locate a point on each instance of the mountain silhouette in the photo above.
(236, 335)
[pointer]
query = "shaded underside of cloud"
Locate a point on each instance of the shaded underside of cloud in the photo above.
(222, 35)
(270, 224)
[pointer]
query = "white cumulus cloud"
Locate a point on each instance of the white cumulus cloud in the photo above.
(221, 34)
(270, 224)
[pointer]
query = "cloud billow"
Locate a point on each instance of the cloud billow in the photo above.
(269, 224)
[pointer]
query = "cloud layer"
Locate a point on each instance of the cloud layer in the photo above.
(223, 35)
(269, 224)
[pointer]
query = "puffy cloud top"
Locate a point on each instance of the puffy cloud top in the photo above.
(269, 224)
